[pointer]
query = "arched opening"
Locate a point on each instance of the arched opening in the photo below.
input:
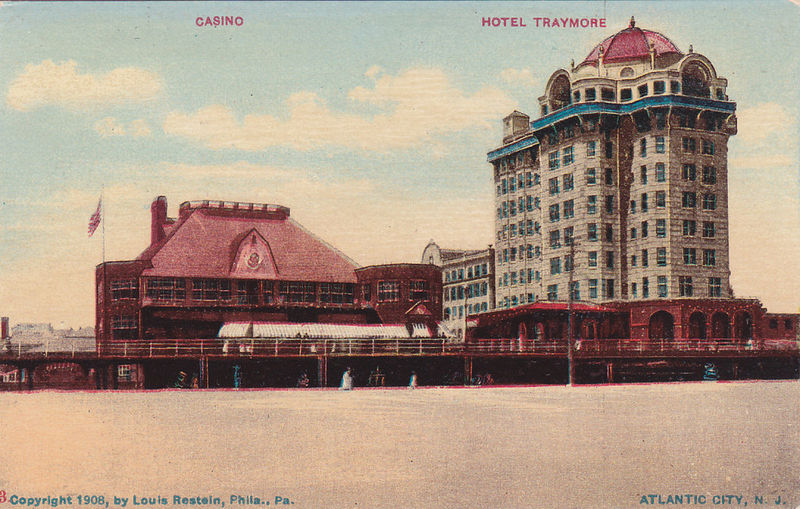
(743, 325)
(662, 326)
(720, 325)
(560, 94)
(538, 331)
(589, 329)
(697, 325)
(522, 331)
(626, 72)
(696, 80)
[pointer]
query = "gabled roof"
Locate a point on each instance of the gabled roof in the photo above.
(204, 244)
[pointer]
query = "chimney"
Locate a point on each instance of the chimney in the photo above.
(4, 327)
(158, 213)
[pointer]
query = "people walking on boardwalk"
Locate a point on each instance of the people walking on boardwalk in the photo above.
(303, 381)
(412, 384)
(347, 380)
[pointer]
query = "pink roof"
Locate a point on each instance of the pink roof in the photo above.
(206, 244)
(631, 44)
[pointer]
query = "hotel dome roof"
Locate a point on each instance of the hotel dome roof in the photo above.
(632, 43)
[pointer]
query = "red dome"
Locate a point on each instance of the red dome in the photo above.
(631, 44)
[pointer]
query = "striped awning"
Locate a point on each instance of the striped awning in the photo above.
(283, 330)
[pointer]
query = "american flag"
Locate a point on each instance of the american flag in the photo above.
(94, 221)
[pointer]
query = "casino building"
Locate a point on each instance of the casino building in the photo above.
(221, 266)
(619, 190)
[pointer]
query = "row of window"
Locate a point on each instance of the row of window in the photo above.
(469, 291)
(521, 181)
(458, 311)
(510, 254)
(523, 228)
(690, 145)
(252, 292)
(524, 276)
(477, 270)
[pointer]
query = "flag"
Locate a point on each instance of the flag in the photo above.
(94, 221)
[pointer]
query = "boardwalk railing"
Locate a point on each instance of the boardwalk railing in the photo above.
(296, 347)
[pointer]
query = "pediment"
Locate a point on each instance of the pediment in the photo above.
(254, 258)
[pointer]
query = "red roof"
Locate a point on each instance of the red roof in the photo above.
(631, 44)
(211, 245)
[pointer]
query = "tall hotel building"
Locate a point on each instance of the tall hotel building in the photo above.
(620, 187)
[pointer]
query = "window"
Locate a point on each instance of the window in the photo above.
(555, 265)
(512, 254)
(247, 292)
(211, 289)
(645, 288)
(609, 150)
(552, 292)
(625, 94)
(504, 185)
(569, 209)
(689, 256)
(661, 256)
(644, 229)
(660, 146)
(609, 259)
(590, 94)
(536, 179)
(553, 185)
(714, 287)
(709, 231)
(512, 205)
(661, 174)
(342, 293)
(689, 227)
(528, 179)
(591, 232)
(554, 213)
(685, 286)
(633, 290)
(125, 289)
(709, 257)
(609, 233)
(592, 288)
(609, 177)
(608, 288)
(675, 87)
(658, 88)
(553, 160)
(644, 202)
(591, 204)
(642, 90)
(505, 209)
(591, 148)
(661, 120)
(610, 204)
(569, 234)
(576, 96)
(633, 233)
(165, 289)
(689, 200)
(575, 291)
(709, 175)
(512, 185)
(643, 147)
(303, 292)
(643, 174)
(389, 291)
(689, 172)
(607, 94)
(661, 228)
(591, 176)
(662, 286)
(568, 156)
(661, 199)
(592, 259)
(689, 144)
(633, 260)
(644, 258)
(529, 203)
(124, 373)
(124, 327)
(569, 182)
(709, 202)
(569, 132)
(555, 239)
(552, 137)
(708, 147)
(513, 230)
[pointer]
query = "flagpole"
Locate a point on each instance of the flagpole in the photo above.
(106, 290)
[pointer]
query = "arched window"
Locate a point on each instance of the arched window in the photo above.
(743, 325)
(720, 325)
(697, 325)
(696, 79)
(560, 94)
(662, 326)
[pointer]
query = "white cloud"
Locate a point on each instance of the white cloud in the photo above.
(109, 126)
(762, 161)
(518, 77)
(415, 107)
(60, 84)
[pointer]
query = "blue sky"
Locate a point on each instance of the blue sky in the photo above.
(370, 120)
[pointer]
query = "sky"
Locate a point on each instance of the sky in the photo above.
(371, 121)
